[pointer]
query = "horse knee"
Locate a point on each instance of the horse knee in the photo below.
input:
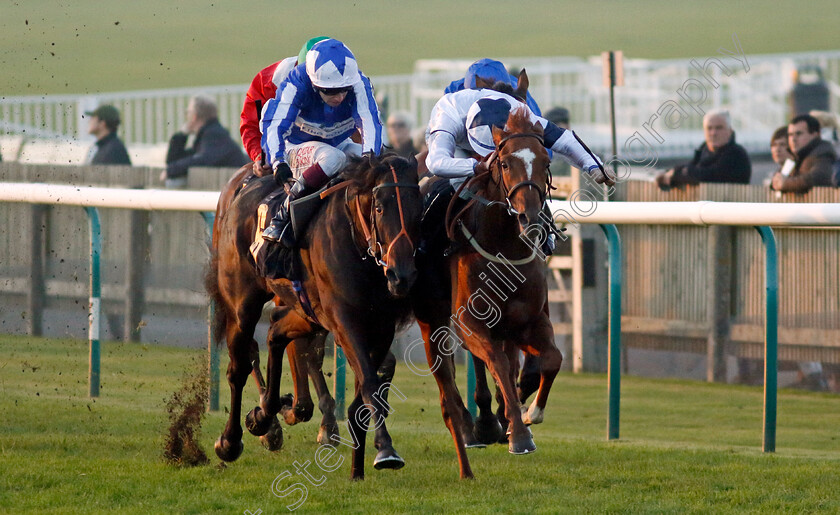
(551, 361)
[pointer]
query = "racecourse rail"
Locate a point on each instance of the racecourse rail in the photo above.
(760, 216)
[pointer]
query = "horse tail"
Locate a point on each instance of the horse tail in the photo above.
(218, 323)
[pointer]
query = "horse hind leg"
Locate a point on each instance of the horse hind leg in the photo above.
(239, 335)
(273, 439)
(488, 429)
(550, 360)
(298, 407)
(326, 403)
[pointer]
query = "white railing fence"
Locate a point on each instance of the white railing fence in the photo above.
(758, 100)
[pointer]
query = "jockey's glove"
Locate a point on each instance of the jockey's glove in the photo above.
(282, 173)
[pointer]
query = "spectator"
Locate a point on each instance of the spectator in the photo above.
(559, 116)
(213, 145)
(109, 149)
(779, 149)
(813, 157)
(828, 132)
(399, 128)
(718, 159)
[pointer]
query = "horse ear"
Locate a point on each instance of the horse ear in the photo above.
(498, 134)
(522, 84)
(538, 129)
(373, 161)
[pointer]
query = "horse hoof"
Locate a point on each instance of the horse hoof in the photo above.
(273, 439)
(524, 445)
(388, 459)
(326, 432)
(253, 426)
(227, 450)
(532, 415)
(488, 430)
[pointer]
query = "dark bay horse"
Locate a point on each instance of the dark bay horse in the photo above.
(306, 354)
(358, 260)
(494, 289)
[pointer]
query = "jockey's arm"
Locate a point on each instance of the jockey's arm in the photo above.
(441, 160)
(278, 117)
(366, 114)
(574, 151)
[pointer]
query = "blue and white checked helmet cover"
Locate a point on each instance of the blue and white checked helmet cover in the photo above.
(330, 64)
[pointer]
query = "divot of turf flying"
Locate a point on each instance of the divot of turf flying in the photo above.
(186, 409)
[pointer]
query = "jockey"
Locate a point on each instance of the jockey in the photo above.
(489, 72)
(307, 126)
(264, 87)
(464, 120)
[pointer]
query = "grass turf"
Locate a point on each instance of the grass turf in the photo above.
(685, 447)
(49, 47)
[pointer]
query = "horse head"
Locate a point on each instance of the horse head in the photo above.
(520, 167)
(388, 210)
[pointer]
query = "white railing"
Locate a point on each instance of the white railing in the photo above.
(757, 99)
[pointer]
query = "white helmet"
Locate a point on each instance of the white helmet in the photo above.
(330, 64)
(483, 115)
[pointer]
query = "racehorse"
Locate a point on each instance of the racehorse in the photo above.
(305, 355)
(358, 268)
(494, 289)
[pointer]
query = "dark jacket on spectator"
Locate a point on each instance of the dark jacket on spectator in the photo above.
(729, 163)
(813, 167)
(110, 151)
(213, 147)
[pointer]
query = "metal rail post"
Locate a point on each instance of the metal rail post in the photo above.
(771, 336)
(95, 305)
(614, 367)
(212, 344)
(339, 380)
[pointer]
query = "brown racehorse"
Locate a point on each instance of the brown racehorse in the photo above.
(358, 261)
(306, 355)
(494, 290)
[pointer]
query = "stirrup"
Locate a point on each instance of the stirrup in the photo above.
(280, 231)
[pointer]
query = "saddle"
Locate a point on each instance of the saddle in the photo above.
(276, 261)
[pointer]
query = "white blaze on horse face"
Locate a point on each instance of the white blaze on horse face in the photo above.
(527, 156)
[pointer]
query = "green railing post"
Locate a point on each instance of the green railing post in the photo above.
(212, 344)
(339, 380)
(771, 337)
(614, 331)
(95, 305)
(471, 405)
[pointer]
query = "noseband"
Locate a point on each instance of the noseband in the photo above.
(371, 231)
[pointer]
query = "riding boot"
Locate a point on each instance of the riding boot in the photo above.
(280, 228)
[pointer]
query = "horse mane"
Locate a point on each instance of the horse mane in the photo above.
(363, 172)
(519, 121)
(507, 89)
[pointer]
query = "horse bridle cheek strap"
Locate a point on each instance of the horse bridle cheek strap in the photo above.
(370, 230)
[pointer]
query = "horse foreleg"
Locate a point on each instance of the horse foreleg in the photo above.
(519, 440)
(451, 405)
(541, 344)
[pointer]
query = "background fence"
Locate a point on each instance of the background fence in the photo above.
(758, 99)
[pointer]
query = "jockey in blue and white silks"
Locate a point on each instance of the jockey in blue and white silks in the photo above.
(463, 119)
(306, 127)
(491, 71)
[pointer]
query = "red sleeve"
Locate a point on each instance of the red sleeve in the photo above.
(262, 88)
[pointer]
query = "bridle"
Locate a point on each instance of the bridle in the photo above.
(371, 231)
(494, 159)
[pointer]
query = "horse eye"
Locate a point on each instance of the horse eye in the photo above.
(504, 165)
(378, 209)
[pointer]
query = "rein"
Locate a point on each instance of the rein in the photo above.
(493, 159)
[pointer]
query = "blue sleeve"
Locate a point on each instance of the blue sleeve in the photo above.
(280, 113)
(455, 85)
(532, 104)
(366, 114)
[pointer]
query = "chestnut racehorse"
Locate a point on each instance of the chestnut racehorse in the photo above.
(494, 290)
(358, 267)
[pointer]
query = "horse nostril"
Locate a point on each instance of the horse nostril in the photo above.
(391, 275)
(523, 220)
